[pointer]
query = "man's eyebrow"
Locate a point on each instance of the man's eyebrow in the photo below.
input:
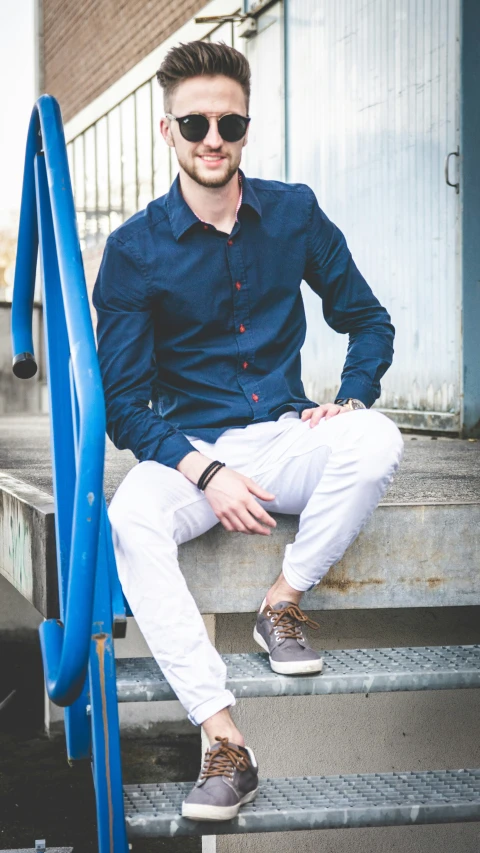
(213, 115)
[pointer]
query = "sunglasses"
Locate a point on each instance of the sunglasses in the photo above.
(195, 127)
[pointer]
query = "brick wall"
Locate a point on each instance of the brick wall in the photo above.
(89, 45)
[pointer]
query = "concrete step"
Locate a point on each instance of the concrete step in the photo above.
(315, 802)
(348, 671)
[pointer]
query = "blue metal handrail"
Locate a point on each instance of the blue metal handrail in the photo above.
(48, 216)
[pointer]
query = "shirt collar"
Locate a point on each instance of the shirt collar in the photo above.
(182, 216)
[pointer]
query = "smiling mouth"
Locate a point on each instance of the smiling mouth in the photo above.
(211, 158)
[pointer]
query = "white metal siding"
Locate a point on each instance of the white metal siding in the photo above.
(263, 156)
(372, 115)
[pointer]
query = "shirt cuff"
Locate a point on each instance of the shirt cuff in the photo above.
(173, 449)
(354, 388)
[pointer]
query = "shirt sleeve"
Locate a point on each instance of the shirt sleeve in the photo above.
(126, 353)
(349, 307)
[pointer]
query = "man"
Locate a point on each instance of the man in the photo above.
(200, 312)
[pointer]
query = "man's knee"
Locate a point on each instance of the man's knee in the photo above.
(383, 443)
(145, 499)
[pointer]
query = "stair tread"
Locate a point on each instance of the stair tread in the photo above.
(315, 802)
(344, 671)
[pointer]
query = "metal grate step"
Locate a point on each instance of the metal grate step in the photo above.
(350, 671)
(316, 802)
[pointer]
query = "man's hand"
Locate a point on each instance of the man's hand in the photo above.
(327, 410)
(231, 496)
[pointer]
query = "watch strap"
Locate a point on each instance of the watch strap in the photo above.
(349, 401)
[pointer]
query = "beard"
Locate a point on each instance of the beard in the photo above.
(214, 181)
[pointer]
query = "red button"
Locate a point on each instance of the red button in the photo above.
(242, 328)
(205, 227)
(229, 242)
(238, 285)
(255, 398)
(245, 365)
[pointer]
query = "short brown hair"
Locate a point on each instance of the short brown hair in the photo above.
(202, 58)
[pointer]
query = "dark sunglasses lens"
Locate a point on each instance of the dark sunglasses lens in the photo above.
(232, 128)
(194, 128)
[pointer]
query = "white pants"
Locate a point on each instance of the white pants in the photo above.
(333, 475)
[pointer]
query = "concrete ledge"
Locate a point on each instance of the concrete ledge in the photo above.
(407, 556)
(27, 543)
(443, 422)
(420, 548)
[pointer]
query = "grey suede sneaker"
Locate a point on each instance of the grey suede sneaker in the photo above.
(279, 631)
(227, 780)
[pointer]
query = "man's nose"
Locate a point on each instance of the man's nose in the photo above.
(213, 138)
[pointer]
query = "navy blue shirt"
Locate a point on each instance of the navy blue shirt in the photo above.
(208, 326)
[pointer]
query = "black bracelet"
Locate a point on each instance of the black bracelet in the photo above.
(206, 471)
(211, 475)
(210, 469)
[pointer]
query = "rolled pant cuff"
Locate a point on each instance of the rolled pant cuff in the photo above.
(293, 580)
(212, 706)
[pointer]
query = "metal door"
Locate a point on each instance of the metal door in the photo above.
(372, 115)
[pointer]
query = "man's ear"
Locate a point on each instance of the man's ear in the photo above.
(166, 132)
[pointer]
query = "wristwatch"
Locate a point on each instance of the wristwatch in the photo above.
(351, 402)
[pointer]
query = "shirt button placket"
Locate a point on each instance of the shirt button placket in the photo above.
(242, 325)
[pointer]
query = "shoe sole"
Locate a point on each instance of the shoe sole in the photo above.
(288, 668)
(195, 811)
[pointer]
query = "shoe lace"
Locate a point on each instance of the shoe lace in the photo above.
(286, 621)
(224, 760)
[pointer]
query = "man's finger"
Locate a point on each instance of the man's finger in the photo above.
(251, 523)
(318, 414)
(237, 525)
(337, 410)
(257, 490)
(261, 514)
(306, 414)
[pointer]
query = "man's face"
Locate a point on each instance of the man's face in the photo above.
(212, 162)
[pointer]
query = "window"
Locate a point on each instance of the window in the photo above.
(129, 156)
(103, 200)
(162, 166)
(143, 105)
(79, 187)
(115, 168)
(90, 187)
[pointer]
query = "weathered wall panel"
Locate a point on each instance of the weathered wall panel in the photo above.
(263, 157)
(373, 109)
